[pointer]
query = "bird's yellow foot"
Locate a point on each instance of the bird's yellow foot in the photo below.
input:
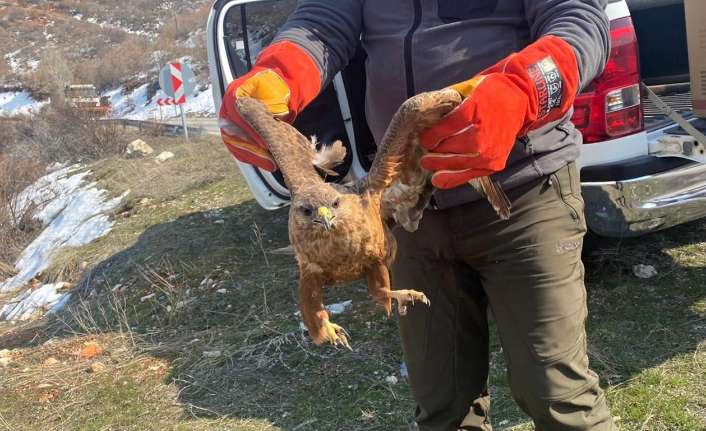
(403, 297)
(335, 334)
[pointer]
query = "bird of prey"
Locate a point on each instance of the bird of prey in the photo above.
(342, 233)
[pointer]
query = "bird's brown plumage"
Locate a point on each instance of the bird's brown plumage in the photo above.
(340, 234)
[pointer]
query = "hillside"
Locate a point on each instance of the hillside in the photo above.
(117, 46)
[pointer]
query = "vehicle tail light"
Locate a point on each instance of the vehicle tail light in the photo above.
(611, 107)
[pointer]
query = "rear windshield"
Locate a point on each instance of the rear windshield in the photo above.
(251, 27)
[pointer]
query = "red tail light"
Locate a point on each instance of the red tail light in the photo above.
(611, 106)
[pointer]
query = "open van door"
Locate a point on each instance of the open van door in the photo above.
(237, 31)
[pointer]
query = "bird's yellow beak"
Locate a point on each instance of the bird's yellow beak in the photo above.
(325, 216)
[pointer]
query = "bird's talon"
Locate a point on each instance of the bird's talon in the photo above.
(403, 297)
(337, 334)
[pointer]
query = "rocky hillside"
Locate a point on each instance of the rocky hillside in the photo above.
(46, 44)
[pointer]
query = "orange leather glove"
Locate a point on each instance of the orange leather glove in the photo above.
(284, 78)
(522, 92)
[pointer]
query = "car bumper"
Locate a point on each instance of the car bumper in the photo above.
(636, 206)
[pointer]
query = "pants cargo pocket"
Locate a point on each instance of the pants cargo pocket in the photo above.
(567, 185)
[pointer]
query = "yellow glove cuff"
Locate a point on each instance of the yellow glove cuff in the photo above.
(465, 88)
(270, 89)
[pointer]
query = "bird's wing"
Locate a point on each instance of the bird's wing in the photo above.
(396, 151)
(396, 172)
(396, 175)
(295, 155)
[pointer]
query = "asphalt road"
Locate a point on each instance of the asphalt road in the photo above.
(210, 124)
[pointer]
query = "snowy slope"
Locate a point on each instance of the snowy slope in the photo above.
(18, 103)
(135, 104)
(73, 212)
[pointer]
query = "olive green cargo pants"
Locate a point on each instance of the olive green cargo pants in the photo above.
(528, 270)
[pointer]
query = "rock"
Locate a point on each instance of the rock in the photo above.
(164, 156)
(212, 354)
(339, 308)
(392, 380)
(90, 350)
(139, 148)
(644, 271)
(97, 367)
(223, 291)
(206, 283)
(4, 362)
(4, 353)
(49, 396)
(50, 361)
(146, 297)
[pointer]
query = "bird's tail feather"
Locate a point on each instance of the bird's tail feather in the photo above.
(495, 195)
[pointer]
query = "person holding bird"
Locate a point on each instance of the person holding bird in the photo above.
(516, 67)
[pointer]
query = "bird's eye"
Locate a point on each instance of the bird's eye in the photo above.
(307, 211)
(336, 203)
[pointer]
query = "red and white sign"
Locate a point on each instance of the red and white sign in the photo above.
(177, 83)
(177, 80)
(168, 101)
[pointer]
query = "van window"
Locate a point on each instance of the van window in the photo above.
(248, 28)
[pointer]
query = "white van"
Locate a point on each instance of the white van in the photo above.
(640, 171)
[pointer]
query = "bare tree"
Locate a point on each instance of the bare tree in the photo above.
(53, 75)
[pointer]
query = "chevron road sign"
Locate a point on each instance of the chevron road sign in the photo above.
(178, 82)
(167, 101)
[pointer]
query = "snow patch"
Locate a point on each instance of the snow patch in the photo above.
(136, 105)
(117, 26)
(73, 212)
(47, 298)
(15, 103)
(12, 61)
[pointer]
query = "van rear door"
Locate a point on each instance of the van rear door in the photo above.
(237, 31)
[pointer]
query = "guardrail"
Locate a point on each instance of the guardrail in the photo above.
(146, 126)
(154, 127)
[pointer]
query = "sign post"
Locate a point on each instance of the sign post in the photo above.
(183, 122)
(178, 81)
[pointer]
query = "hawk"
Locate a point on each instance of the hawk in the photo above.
(342, 233)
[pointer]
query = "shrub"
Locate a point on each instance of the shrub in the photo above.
(62, 134)
(16, 223)
(119, 63)
(52, 75)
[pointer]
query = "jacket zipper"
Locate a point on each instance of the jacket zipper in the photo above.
(409, 72)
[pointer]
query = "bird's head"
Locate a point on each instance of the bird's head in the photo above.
(322, 208)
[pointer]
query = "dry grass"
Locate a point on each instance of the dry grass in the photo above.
(61, 134)
(197, 317)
